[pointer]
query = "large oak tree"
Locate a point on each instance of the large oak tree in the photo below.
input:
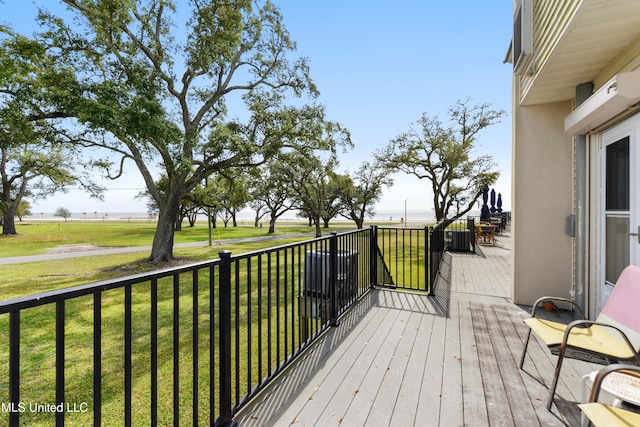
(153, 86)
(362, 190)
(444, 155)
(37, 157)
(272, 190)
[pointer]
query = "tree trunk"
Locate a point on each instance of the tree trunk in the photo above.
(193, 217)
(272, 223)
(162, 248)
(446, 222)
(326, 222)
(9, 221)
(318, 230)
(440, 212)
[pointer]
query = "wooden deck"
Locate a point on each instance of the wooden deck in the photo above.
(407, 359)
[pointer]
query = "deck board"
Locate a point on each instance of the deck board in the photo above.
(494, 389)
(400, 366)
(403, 358)
(431, 379)
(381, 379)
(342, 373)
(388, 394)
(498, 323)
(475, 409)
(451, 389)
(408, 397)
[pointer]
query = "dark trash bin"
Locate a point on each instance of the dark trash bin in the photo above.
(458, 240)
(318, 273)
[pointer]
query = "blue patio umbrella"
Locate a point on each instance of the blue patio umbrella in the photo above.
(499, 202)
(493, 201)
(484, 212)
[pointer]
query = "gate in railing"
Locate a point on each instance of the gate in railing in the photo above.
(188, 344)
(405, 253)
(412, 256)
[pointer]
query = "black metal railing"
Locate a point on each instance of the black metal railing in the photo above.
(110, 347)
(406, 253)
(283, 298)
(412, 255)
(193, 344)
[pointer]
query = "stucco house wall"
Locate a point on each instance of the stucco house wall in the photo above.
(542, 200)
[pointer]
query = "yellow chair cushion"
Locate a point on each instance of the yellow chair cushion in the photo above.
(608, 416)
(597, 339)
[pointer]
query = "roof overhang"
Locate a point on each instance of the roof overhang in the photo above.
(614, 97)
(597, 34)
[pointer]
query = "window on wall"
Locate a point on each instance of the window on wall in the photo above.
(617, 196)
(522, 35)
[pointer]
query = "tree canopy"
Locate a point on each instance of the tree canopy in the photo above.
(362, 190)
(191, 90)
(152, 89)
(444, 155)
(37, 157)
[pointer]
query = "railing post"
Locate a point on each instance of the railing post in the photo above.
(60, 374)
(471, 226)
(333, 278)
(373, 255)
(427, 260)
(437, 245)
(224, 332)
(14, 367)
(97, 359)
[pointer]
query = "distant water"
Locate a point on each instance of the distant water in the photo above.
(382, 215)
(86, 216)
(244, 216)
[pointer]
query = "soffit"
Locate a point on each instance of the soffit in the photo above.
(599, 32)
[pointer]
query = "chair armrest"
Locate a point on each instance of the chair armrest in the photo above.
(540, 300)
(602, 373)
(577, 323)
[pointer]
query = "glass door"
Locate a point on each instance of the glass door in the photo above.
(621, 244)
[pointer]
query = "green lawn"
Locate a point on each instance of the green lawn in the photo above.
(38, 334)
(37, 237)
(38, 325)
(40, 237)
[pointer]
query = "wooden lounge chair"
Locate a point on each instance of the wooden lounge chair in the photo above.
(608, 416)
(613, 338)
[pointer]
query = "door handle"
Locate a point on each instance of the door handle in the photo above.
(635, 234)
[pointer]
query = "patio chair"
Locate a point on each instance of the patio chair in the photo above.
(613, 338)
(605, 415)
(486, 232)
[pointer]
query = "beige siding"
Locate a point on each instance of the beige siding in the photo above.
(550, 19)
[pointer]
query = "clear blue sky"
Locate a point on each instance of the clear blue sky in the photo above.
(378, 65)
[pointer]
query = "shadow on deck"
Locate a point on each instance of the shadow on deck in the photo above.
(401, 358)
